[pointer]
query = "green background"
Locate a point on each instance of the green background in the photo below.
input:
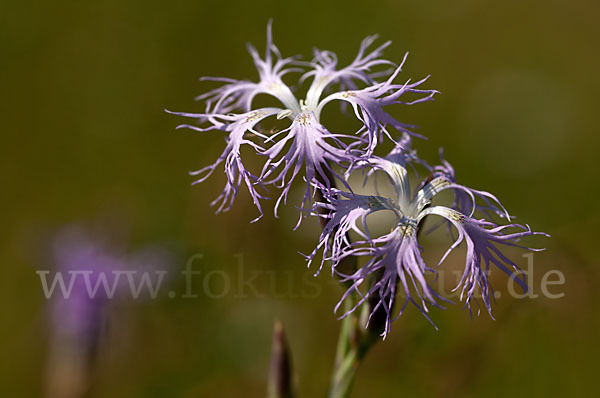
(85, 138)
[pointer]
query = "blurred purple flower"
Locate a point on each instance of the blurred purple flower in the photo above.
(89, 270)
(80, 315)
(86, 279)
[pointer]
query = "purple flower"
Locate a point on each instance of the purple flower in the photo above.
(79, 314)
(369, 102)
(237, 126)
(325, 72)
(89, 273)
(237, 95)
(463, 200)
(344, 210)
(482, 237)
(308, 148)
(396, 256)
(305, 148)
(89, 270)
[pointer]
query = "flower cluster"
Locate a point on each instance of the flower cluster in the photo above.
(306, 148)
(396, 256)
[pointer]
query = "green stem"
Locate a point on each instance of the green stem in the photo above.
(354, 343)
(346, 357)
(354, 340)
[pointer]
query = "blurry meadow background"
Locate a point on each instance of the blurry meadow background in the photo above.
(86, 140)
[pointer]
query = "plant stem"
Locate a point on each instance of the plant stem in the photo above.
(346, 358)
(354, 341)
